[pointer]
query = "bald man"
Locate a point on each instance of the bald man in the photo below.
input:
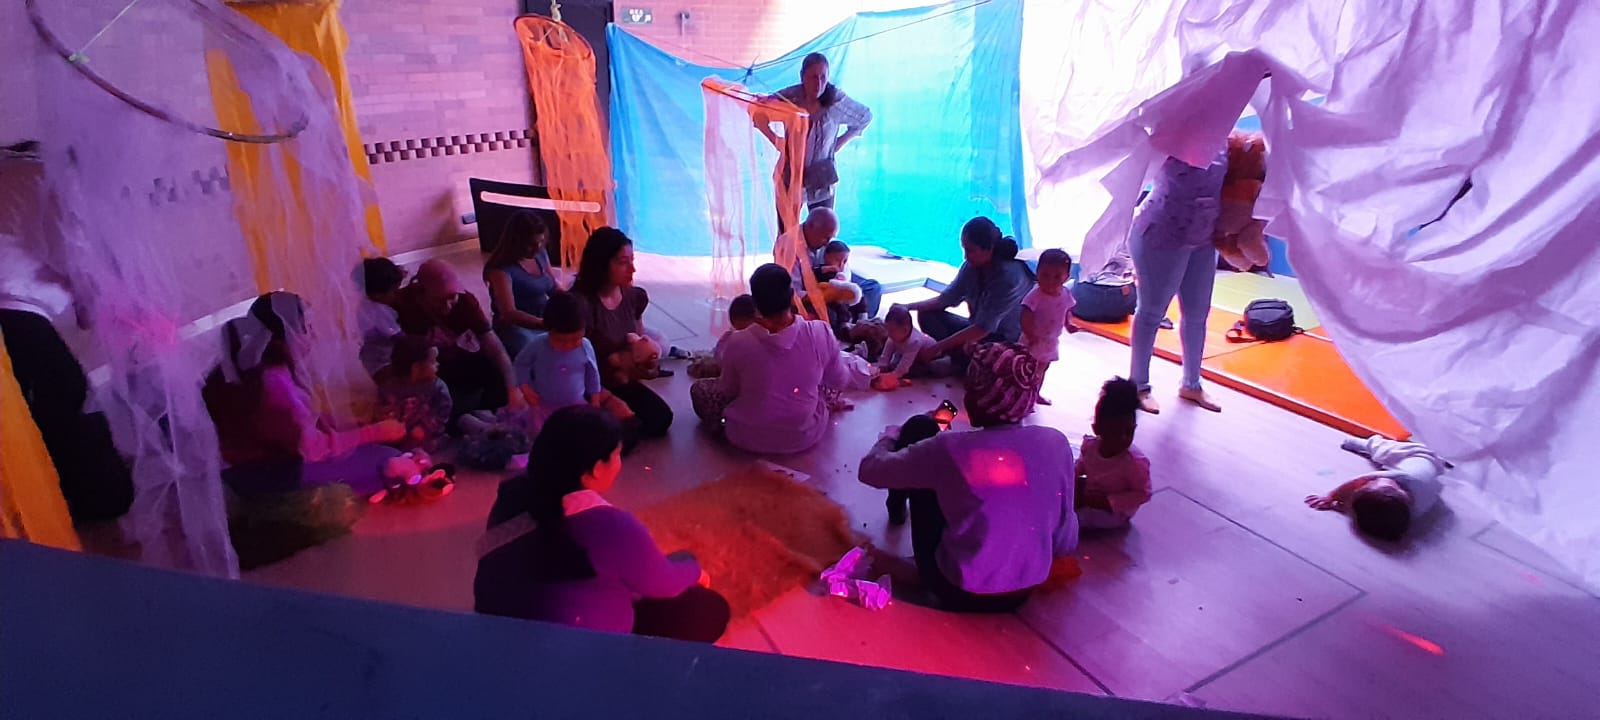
(472, 362)
(820, 227)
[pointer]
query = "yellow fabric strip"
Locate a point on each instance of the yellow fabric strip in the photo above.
(31, 505)
(313, 28)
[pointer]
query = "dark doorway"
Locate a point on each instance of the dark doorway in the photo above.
(589, 18)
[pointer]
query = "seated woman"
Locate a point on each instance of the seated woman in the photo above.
(991, 281)
(773, 373)
(520, 282)
(991, 508)
(614, 310)
(556, 551)
(271, 439)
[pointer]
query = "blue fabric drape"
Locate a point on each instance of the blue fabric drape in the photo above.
(945, 143)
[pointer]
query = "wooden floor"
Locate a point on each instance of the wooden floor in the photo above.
(1227, 591)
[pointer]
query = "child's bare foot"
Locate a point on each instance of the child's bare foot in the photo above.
(1199, 397)
(1148, 403)
(1042, 400)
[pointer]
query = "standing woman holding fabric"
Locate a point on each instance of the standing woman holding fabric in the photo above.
(830, 110)
(520, 282)
(1171, 243)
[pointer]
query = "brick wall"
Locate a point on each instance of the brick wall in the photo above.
(441, 96)
(735, 33)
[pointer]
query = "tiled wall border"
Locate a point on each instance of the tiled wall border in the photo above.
(432, 147)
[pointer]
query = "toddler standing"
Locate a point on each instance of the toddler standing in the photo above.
(1047, 310)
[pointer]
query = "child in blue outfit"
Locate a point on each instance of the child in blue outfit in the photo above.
(559, 368)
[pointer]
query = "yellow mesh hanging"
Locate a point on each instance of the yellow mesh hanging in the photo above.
(312, 27)
(31, 505)
(572, 148)
(753, 182)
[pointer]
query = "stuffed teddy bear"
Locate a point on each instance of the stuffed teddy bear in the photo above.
(1240, 238)
(642, 361)
(873, 335)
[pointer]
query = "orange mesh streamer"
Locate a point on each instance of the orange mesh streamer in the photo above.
(572, 148)
(748, 175)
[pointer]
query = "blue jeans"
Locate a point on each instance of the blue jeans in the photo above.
(871, 295)
(1165, 271)
(1103, 303)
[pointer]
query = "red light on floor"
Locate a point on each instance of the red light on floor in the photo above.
(1425, 644)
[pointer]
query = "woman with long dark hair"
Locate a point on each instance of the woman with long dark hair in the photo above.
(520, 282)
(614, 309)
(991, 281)
(556, 551)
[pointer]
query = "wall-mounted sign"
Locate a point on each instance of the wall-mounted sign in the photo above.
(636, 16)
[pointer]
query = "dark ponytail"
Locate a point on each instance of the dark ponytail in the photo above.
(1006, 249)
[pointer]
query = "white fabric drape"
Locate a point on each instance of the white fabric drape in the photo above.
(1478, 332)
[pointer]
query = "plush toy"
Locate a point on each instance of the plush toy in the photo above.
(1240, 238)
(413, 478)
(873, 335)
(642, 361)
(704, 365)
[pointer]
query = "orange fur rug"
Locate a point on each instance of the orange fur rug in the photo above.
(756, 532)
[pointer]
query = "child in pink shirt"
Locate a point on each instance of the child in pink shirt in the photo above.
(1047, 310)
(1113, 477)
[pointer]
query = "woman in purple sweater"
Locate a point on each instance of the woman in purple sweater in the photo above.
(991, 508)
(556, 551)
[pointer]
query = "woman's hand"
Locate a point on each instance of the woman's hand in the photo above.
(388, 431)
(529, 396)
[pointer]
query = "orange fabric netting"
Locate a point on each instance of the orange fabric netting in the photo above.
(754, 152)
(572, 147)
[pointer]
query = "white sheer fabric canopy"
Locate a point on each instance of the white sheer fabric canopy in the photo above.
(1478, 332)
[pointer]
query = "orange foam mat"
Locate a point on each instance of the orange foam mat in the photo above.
(1304, 374)
(1167, 343)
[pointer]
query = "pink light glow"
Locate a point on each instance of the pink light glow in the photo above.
(1425, 644)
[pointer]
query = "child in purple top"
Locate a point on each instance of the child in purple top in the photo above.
(556, 551)
(990, 508)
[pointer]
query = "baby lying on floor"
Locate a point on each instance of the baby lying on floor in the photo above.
(1384, 503)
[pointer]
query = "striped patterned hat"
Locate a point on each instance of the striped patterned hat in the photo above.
(1003, 381)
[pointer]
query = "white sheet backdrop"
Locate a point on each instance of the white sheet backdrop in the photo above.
(1481, 333)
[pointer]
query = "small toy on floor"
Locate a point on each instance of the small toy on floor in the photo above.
(847, 579)
(413, 478)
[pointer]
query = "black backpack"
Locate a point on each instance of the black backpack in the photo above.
(1268, 320)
